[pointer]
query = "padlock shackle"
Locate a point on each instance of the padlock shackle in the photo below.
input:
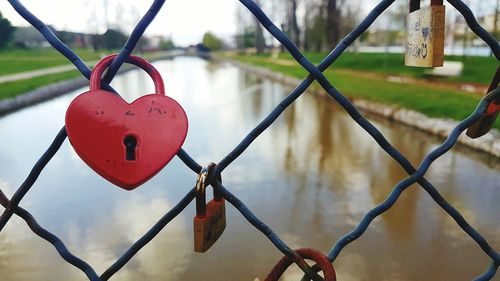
(415, 4)
(203, 179)
(95, 76)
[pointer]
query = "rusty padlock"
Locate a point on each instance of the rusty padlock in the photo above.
(425, 35)
(210, 220)
(125, 143)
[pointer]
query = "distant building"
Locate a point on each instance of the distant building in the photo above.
(155, 41)
(75, 39)
(29, 37)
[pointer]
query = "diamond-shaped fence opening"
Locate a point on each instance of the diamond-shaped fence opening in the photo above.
(415, 175)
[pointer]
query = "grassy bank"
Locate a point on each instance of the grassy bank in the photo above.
(21, 60)
(425, 98)
(12, 89)
(476, 69)
(15, 61)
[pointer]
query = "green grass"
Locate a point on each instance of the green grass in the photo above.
(432, 101)
(424, 98)
(476, 69)
(12, 89)
(21, 60)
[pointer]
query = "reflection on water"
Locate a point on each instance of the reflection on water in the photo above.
(311, 177)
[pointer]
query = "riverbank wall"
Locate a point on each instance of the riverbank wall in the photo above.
(489, 143)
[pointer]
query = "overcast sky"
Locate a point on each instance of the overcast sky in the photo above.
(185, 20)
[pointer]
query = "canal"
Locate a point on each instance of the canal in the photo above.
(311, 177)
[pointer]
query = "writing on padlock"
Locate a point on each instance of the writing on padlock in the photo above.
(425, 35)
(210, 220)
(126, 144)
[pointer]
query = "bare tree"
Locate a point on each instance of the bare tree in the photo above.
(260, 43)
(240, 28)
(314, 26)
(495, 20)
(333, 21)
(292, 24)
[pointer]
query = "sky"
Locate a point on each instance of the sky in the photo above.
(184, 20)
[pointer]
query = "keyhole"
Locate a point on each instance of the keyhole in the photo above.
(130, 145)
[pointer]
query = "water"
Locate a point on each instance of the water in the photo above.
(311, 177)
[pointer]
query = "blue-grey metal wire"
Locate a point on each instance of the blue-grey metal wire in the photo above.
(315, 73)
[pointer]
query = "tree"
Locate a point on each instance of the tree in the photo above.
(211, 41)
(327, 21)
(260, 43)
(314, 26)
(495, 20)
(6, 31)
(250, 33)
(291, 19)
(333, 21)
(167, 44)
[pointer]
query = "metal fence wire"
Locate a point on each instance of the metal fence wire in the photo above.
(415, 175)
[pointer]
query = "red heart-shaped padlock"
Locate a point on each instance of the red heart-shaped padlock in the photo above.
(125, 143)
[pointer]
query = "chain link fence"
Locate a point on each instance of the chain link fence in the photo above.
(415, 175)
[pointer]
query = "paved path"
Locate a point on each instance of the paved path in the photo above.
(68, 67)
(39, 72)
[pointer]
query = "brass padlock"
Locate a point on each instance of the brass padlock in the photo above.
(210, 220)
(425, 35)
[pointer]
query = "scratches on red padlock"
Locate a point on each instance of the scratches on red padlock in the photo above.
(307, 253)
(127, 144)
